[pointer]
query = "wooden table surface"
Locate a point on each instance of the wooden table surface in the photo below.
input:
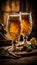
(24, 60)
(21, 61)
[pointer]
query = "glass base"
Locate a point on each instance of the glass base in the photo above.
(11, 51)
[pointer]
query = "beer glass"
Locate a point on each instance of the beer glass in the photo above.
(13, 29)
(26, 25)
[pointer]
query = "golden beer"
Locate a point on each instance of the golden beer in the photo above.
(26, 24)
(13, 26)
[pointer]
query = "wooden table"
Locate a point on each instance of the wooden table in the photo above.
(24, 60)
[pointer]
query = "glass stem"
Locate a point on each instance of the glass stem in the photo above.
(13, 46)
